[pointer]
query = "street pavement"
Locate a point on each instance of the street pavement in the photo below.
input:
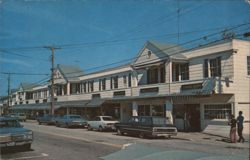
(51, 142)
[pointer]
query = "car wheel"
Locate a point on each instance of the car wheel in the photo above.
(57, 125)
(27, 146)
(119, 132)
(39, 123)
(100, 129)
(141, 135)
(67, 125)
(89, 128)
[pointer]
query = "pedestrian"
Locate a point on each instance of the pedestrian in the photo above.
(240, 120)
(233, 129)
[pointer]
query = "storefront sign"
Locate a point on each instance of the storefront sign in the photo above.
(191, 86)
(119, 93)
(149, 90)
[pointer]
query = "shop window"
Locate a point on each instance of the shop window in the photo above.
(144, 110)
(220, 111)
(157, 110)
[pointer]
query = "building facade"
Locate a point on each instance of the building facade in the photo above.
(195, 88)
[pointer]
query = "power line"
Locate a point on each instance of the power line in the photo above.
(178, 52)
(24, 74)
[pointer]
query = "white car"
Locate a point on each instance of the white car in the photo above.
(102, 123)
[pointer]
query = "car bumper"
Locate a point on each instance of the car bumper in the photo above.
(157, 134)
(12, 144)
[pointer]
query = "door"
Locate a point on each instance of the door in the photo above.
(193, 118)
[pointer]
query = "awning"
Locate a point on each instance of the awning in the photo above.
(96, 102)
(76, 104)
(44, 106)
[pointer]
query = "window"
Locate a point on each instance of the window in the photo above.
(90, 86)
(129, 79)
(162, 74)
(220, 111)
(45, 94)
(212, 67)
(74, 88)
(215, 67)
(152, 75)
(59, 90)
(180, 72)
(102, 84)
(114, 82)
(83, 87)
(125, 81)
(184, 71)
(248, 65)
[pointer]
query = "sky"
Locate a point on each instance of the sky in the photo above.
(94, 34)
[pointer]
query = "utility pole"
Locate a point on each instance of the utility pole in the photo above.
(52, 48)
(8, 101)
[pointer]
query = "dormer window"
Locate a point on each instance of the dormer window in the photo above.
(149, 54)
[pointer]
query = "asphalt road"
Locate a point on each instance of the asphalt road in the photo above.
(53, 143)
(49, 147)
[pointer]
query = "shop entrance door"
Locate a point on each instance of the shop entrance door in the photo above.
(193, 117)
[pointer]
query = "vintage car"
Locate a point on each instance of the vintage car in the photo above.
(102, 123)
(147, 126)
(20, 116)
(46, 119)
(13, 134)
(71, 120)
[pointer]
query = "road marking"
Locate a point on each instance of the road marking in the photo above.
(84, 139)
(31, 157)
(126, 145)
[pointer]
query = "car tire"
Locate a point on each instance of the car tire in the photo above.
(141, 135)
(89, 128)
(119, 132)
(100, 129)
(27, 146)
(39, 123)
(67, 125)
(57, 124)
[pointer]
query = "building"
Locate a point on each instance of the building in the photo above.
(196, 88)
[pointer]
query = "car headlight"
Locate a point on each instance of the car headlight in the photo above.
(29, 135)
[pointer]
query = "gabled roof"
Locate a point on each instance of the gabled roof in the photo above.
(172, 50)
(70, 72)
(27, 86)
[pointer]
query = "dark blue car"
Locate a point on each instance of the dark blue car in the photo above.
(13, 134)
(46, 119)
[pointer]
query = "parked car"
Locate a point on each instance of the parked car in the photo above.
(46, 119)
(147, 126)
(20, 116)
(13, 134)
(102, 123)
(71, 120)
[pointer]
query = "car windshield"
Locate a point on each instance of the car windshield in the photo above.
(159, 121)
(108, 118)
(75, 117)
(10, 124)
